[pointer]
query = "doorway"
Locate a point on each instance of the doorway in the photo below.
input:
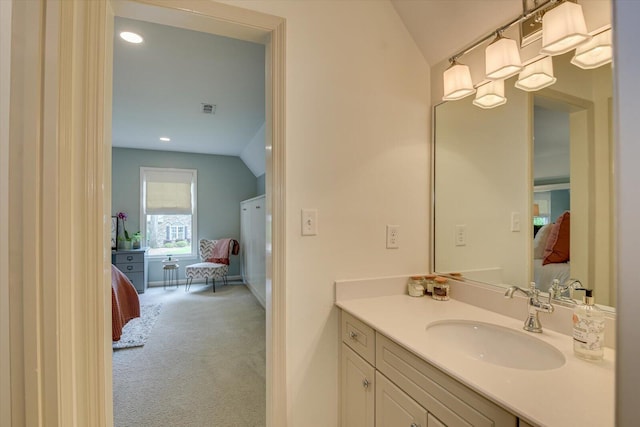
(268, 30)
(205, 358)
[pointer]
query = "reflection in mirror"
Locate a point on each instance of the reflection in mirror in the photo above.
(506, 179)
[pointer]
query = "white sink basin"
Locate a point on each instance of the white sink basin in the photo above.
(496, 344)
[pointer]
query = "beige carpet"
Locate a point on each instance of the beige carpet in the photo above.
(203, 364)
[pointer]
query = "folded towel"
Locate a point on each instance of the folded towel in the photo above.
(223, 249)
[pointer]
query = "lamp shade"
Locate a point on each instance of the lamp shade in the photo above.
(594, 53)
(536, 75)
(490, 95)
(457, 82)
(502, 59)
(563, 29)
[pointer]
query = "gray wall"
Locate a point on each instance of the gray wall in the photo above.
(223, 182)
(560, 202)
(260, 184)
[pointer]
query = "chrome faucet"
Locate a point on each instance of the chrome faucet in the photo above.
(556, 289)
(532, 323)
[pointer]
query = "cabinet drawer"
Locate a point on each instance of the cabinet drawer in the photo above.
(128, 257)
(132, 267)
(451, 402)
(360, 337)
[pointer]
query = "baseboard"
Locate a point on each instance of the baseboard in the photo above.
(255, 293)
(184, 281)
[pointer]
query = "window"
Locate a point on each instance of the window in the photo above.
(168, 210)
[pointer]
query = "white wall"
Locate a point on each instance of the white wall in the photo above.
(357, 150)
(627, 127)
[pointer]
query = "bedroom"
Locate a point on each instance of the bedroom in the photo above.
(206, 94)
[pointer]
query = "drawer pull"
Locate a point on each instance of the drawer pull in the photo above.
(353, 335)
(130, 258)
(415, 425)
(129, 267)
(365, 383)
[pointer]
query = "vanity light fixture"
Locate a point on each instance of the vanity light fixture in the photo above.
(165, 139)
(594, 53)
(457, 82)
(536, 75)
(490, 95)
(131, 37)
(502, 58)
(563, 29)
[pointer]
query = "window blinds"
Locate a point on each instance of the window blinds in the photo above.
(168, 192)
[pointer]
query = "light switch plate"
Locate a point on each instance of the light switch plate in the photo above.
(309, 222)
(515, 221)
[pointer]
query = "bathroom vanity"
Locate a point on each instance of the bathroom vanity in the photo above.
(396, 372)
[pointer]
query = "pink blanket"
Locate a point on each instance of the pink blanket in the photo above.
(223, 249)
(124, 302)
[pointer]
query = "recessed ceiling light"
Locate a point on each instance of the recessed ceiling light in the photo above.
(131, 37)
(165, 139)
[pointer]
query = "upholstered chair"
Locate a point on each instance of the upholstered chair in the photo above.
(206, 269)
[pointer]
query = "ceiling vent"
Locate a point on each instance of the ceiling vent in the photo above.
(209, 108)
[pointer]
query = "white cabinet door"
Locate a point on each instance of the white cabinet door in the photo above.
(394, 408)
(434, 422)
(245, 232)
(253, 247)
(357, 390)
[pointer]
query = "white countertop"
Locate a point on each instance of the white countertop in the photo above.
(579, 393)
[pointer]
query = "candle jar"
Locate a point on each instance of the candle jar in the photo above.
(415, 286)
(429, 281)
(440, 289)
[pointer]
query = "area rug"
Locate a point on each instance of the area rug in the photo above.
(136, 332)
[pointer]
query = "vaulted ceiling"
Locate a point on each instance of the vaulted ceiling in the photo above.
(160, 86)
(442, 27)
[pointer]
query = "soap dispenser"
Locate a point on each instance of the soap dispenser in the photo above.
(588, 329)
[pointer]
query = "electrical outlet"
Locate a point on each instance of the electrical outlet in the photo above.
(309, 222)
(393, 232)
(461, 235)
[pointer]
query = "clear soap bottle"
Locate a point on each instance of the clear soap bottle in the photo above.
(588, 329)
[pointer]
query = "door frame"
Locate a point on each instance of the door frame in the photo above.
(60, 201)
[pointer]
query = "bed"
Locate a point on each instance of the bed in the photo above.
(551, 249)
(124, 302)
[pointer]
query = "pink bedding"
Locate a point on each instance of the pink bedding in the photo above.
(124, 302)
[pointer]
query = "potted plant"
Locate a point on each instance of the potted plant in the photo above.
(136, 239)
(124, 241)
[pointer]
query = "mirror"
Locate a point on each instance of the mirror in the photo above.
(501, 175)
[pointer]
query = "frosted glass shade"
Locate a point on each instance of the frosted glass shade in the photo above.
(594, 53)
(502, 59)
(457, 82)
(563, 29)
(490, 95)
(537, 75)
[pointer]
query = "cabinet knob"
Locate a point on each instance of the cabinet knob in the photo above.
(365, 383)
(353, 335)
(415, 425)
